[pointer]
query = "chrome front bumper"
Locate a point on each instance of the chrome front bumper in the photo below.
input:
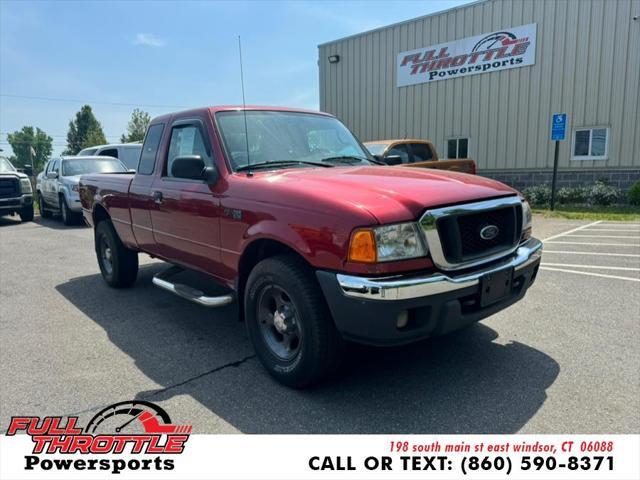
(405, 287)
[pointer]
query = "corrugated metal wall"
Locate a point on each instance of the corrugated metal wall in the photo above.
(587, 65)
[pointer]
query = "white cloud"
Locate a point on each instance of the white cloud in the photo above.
(149, 40)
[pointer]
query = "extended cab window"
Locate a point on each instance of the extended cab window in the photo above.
(150, 149)
(421, 152)
(187, 140)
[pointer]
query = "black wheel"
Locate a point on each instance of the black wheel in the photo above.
(26, 214)
(118, 264)
(288, 322)
(44, 213)
(68, 217)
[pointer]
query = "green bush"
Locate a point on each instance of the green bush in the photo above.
(575, 195)
(634, 194)
(540, 195)
(602, 194)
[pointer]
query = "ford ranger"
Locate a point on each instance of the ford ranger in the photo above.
(287, 211)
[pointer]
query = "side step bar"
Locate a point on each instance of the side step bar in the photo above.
(162, 280)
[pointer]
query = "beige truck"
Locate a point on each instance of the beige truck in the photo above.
(411, 152)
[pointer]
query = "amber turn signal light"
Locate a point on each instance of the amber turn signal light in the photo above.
(363, 247)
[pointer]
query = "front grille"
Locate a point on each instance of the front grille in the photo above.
(9, 187)
(460, 236)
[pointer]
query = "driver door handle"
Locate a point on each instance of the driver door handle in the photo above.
(157, 197)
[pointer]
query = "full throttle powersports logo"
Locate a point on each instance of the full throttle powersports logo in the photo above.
(503, 49)
(130, 427)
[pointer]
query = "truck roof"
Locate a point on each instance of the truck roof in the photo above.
(225, 108)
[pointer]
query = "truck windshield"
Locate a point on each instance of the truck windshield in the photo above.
(73, 167)
(5, 166)
(275, 136)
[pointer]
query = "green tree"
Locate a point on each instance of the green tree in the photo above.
(28, 143)
(85, 131)
(137, 126)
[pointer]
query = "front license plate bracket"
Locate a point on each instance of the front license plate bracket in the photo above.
(495, 286)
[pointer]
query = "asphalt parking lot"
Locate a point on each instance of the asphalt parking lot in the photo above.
(565, 359)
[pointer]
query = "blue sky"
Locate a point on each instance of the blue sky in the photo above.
(165, 55)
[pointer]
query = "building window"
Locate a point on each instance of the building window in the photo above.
(590, 143)
(458, 148)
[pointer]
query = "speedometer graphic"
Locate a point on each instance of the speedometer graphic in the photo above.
(134, 416)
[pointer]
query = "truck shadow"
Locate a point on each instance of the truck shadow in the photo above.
(461, 383)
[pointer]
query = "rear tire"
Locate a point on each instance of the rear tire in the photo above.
(44, 213)
(118, 264)
(26, 214)
(289, 324)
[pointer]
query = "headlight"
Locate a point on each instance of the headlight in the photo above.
(25, 184)
(75, 187)
(527, 220)
(387, 243)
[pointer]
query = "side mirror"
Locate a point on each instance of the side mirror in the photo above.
(193, 167)
(52, 175)
(392, 160)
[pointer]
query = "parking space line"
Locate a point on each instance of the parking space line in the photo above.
(573, 230)
(636, 245)
(590, 274)
(594, 229)
(601, 267)
(601, 236)
(604, 222)
(594, 253)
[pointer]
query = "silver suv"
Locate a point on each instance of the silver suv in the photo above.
(127, 153)
(57, 184)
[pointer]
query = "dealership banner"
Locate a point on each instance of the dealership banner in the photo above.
(489, 52)
(57, 451)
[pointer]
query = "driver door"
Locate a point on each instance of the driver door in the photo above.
(185, 213)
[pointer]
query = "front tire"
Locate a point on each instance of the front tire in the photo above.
(68, 216)
(26, 214)
(288, 322)
(118, 264)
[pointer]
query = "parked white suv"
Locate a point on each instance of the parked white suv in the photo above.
(57, 184)
(127, 153)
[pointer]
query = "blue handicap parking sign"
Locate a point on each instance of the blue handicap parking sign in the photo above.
(558, 126)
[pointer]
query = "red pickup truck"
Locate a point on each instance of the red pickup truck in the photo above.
(289, 213)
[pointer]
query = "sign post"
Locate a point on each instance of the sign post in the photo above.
(558, 128)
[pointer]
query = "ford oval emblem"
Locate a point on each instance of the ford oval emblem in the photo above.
(489, 232)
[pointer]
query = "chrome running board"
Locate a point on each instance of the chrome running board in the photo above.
(162, 280)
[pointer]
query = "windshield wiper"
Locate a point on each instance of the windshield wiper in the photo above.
(280, 163)
(348, 159)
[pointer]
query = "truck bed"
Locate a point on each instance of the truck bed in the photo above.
(112, 189)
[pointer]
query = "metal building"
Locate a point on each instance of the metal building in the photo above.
(428, 78)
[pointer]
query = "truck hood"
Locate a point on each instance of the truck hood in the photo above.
(390, 194)
(13, 174)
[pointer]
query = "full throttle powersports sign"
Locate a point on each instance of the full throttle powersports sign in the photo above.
(133, 435)
(489, 52)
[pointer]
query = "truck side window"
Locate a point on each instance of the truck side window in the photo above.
(150, 149)
(110, 152)
(421, 152)
(187, 140)
(400, 150)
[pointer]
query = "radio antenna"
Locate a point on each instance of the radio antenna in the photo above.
(244, 109)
